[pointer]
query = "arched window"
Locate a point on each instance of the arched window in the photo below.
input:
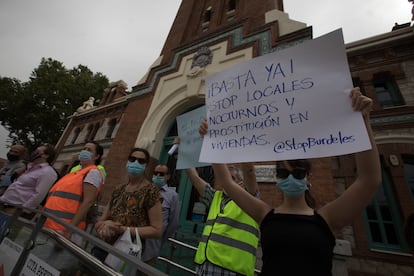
(75, 135)
(94, 131)
(206, 19)
(231, 5)
(408, 163)
(207, 15)
(88, 133)
(383, 218)
(386, 90)
(111, 128)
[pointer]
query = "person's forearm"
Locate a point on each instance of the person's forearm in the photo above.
(192, 174)
(198, 183)
(249, 178)
(145, 232)
(221, 172)
(367, 162)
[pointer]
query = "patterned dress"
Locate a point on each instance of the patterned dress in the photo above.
(131, 208)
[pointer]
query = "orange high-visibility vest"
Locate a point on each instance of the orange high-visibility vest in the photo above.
(65, 198)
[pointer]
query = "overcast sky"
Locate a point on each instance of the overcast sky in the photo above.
(122, 38)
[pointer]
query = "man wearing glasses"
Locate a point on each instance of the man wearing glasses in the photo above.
(170, 214)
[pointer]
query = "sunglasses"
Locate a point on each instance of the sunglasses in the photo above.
(140, 160)
(298, 173)
(159, 173)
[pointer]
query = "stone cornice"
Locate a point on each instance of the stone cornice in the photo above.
(104, 109)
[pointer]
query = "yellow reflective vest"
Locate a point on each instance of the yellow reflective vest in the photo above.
(100, 167)
(230, 238)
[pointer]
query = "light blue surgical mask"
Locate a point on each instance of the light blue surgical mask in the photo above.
(85, 155)
(291, 186)
(159, 181)
(135, 168)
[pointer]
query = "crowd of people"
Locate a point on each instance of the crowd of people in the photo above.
(296, 238)
(149, 206)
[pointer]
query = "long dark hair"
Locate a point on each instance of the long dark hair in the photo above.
(99, 151)
(50, 151)
(144, 151)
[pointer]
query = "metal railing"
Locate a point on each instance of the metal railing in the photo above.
(174, 243)
(80, 253)
(36, 226)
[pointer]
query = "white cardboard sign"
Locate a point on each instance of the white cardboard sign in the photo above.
(35, 266)
(9, 254)
(289, 104)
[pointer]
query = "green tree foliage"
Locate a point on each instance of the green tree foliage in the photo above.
(35, 112)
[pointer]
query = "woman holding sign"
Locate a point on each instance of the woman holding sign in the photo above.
(297, 239)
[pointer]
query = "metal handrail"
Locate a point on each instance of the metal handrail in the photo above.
(183, 244)
(188, 246)
(37, 223)
(177, 265)
(80, 253)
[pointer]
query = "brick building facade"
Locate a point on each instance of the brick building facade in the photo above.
(208, 36)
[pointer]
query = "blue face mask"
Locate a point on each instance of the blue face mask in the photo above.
(159, 181)
(291, 186)
(135, 168)
(85, 155)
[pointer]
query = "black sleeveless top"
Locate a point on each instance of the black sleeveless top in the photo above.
(296, 245)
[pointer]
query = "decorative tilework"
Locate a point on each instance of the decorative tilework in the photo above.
(264, 48)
